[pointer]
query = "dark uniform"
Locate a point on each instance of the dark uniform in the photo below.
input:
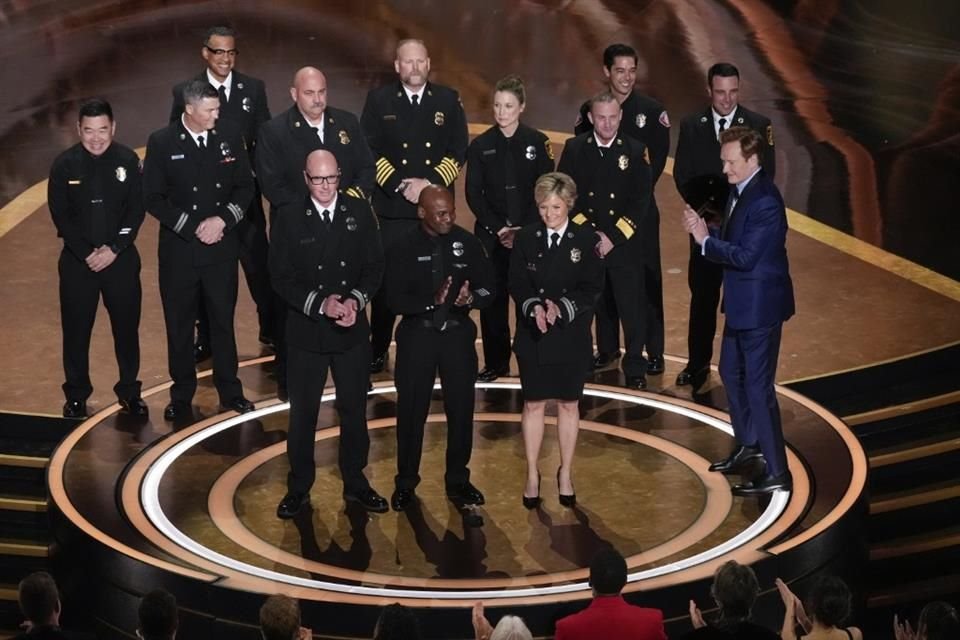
(183, 185)
(646, 120)
(96, 201)
(432, 338)
(308, 262)
(247, 109)
(613, 195)
(429, 141)
(282, 150)
(698, 153)
(287, 140)
(554, 365)
(501, 174)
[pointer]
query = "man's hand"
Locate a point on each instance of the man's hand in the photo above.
(604, 245)
(441, 294)
(101, 258)
(696, 617)
(903, 630)
(332, 307)
(481, 626)
(506, 235)
(694, 225)
(540, 317)
(414, 187)
(304, 634)
(349, 317)
(464, 296)
(210, 231)
(553, 312)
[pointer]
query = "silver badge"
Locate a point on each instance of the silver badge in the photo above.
(183, 136)
(703, 118)
(458, 248)
(239, 85)
(641, 120)
(351, 223)
(121, 174)
(225, 149)
(574, 255)
(246, 102)
(531, 153)
(740, 120)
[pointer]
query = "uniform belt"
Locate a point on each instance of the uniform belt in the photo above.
(428, 323)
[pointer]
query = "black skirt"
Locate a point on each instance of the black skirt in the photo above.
(553, 380)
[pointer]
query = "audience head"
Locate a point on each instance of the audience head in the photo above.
(511, 628)
(157, 615)
(608, 572)
(397, 622)
(39, 599)
(938, 621)
(280, 618)
(829, 601)
(735, 589)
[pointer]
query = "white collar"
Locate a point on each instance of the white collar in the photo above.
(601, 144)
(331, 208)
(319, 124)
(226, 84)
(410, 94)
(196, 136)
(562, 231)
(729, 117)
(743, 185)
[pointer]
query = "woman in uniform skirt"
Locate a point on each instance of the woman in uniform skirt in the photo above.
(503, 163)
(555, 279)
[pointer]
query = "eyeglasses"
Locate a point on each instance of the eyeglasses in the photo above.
(222, 52)
(319, 180)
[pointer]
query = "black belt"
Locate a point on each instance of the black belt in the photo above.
(428, 323)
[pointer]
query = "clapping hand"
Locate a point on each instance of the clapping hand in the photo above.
(903, 630)
(540, 318)
(481, 626)
(694, 225)
(553, 312)
(464, 296)
(441, 294)
(696, 617)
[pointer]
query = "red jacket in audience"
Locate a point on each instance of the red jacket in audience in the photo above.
(611, 618)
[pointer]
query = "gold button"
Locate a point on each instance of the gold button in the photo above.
(427, 161)
(428, 145)
(612, 196)
(405, 145)
(590, 194)
(404, 161)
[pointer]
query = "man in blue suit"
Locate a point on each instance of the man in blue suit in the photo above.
(758, 297)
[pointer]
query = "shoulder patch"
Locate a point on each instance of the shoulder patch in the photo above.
(548, 148)
(770, 134)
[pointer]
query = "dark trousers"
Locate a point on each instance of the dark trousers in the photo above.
(306, 377)
(421, 353)
(748, 366)
(624, 298)
(495, 319)
(608, 321)
(80, 292)
(705, 279)
(381, 317)
(253, 261)
(180, 287)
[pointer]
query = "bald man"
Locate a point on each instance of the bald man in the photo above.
(436, 274)
(418, 133)
(326, 263)
(283, 146)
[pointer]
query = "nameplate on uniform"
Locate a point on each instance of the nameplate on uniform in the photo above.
(179, 156)
(489, 152)
(390, 117)
(459, 265)
(307, 240)
(73, 182)
(424, 258)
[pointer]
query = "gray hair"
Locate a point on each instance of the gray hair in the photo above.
(196, 90)
(511, 628)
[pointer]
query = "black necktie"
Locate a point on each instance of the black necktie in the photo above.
(223, 95)
(202, 142)
(723, 125)
(554, 240)
(325, 216)
(734, 196)
(319, 133)
(415, 100)
(438, 276)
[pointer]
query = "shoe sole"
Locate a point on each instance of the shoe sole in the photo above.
(367, 507)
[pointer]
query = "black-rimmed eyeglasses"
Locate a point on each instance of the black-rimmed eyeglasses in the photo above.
(319, 180)
(222, 52)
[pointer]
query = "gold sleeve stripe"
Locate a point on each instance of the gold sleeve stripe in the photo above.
(384, 173)
(625, 228)
(355, 192)
(579, 219)
(446, 173)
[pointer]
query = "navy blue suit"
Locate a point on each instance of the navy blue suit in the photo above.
(757, 299)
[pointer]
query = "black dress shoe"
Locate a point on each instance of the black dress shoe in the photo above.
(693, 377)
(291, 505)
(566, 500)
(177, 411)
(655, 365)
(135, 406)
(601, 360)
(737, 459)
(378, 363)
(369, 500)
(763, 485)
(534, 502)
(403, 499)
(75, 409)
(489, 374)
(201, 351)
(464, 493)
(238, 404)
(637, 382)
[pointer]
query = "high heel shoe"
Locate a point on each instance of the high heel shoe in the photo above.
(534, 502)
(565, 500)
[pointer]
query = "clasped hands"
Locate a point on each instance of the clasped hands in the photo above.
(342, 312)
(506, 235)
(464, 295)
(545, 315)
(410, 188)
(100, 258)
(210, 231)
(694, 225)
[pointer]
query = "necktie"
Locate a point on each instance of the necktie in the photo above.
(319, 133)
(723, 125)
(437, 276)
(223, 95)
(415, 100)
(325, 216)
(734, 196)
(554, 240)
(202, 142)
